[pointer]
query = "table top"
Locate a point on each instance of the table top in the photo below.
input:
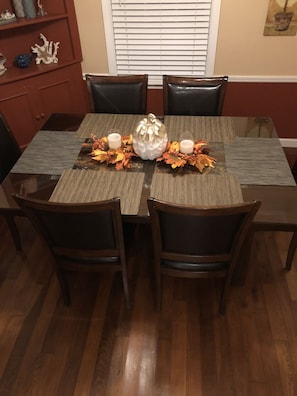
(250, 165)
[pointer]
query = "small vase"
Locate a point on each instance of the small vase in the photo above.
(29, 8)
(18, 8)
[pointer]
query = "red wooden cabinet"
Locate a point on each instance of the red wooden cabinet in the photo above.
(28, 96)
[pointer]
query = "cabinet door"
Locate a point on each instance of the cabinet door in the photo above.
(16, 106)
(61, 91)
(28, 103)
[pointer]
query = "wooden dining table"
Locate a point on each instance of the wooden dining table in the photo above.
(243, 148)
(250, 165)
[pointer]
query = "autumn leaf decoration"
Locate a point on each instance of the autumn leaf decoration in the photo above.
(200, 158)
(121, 157)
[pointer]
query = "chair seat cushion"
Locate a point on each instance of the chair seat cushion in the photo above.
(182, 266)
(91, 260)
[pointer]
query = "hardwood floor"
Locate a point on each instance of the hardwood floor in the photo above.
(95, 347)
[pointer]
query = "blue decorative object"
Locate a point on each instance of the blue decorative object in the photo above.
(23, 60)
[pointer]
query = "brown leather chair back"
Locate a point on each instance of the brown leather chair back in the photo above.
(194, 95)
(81, 237)
(118, 94)
(198, 242)
(9, 149)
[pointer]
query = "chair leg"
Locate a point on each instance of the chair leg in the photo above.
(64, 287)
(14, 231)
(158, 290)
(224, 294)
(126, 289)
(291, 251)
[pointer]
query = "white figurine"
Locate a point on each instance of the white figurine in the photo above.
(2, 61)
(46, 53)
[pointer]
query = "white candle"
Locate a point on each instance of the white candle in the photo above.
(186, 146)
(114, 140)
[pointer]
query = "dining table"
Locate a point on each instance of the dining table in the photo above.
(250, 164)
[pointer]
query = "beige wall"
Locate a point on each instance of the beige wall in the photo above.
(91, 29)
(242, 49)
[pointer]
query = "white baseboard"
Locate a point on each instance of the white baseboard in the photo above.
(286, 142)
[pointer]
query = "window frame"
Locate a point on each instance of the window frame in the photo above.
(212, 37)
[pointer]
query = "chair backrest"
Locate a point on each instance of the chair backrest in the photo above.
(81, 237)
(196, 96)
(9, 149)
(294, 170)
(118, 94)
(84, 231)
(209, 237)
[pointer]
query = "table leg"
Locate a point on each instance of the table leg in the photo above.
(14, 231)
(291, 251)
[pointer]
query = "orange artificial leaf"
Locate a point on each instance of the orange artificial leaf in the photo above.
(174, 146)
(99, 155)
(174, 159)
(199, 146)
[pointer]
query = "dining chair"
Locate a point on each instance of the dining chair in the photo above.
(121, 94)
(9, 154)
(81, 237)
(195, 96)
(198, 242)
(293, 244)
(291, 251)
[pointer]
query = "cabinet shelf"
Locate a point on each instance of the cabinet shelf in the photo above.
(29, 95)
(14, 73)
(23, 22)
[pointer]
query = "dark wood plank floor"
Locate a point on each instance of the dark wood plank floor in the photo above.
(95, 347)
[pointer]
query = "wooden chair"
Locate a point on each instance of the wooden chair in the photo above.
(195, 96)
(81, 237)
(118, 94)
(291, 251)
(198, 242)
(9, 154)
(293, 244)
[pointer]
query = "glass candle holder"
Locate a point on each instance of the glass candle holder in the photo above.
(114, 140)
(186, 146)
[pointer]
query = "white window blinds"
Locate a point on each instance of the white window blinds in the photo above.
(159, 37)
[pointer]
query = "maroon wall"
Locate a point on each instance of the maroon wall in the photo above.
(275, 100)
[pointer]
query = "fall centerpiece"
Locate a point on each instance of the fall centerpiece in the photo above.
(150, 138)
(120, 157)
(198, 158)
(149, 142)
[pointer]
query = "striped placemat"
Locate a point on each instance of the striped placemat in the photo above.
(101, 124)
(200, 190)
(91, 186)
(212, 129)
(49, 153)
(258, 161)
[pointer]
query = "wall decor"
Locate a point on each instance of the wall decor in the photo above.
(2, 61)
(281, 18)
(23, 60)
(7, 17)
(29, 8)
(41, 11)
(18, 8)
(46, 53)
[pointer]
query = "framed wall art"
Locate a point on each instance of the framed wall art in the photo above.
(281, 18)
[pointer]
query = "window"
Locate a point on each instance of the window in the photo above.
(161, 37)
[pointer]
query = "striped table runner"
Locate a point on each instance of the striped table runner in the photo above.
(258, 161)
(200, 190)
(101, 124)
(49, 153)
(212, 129)
(90, 186)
